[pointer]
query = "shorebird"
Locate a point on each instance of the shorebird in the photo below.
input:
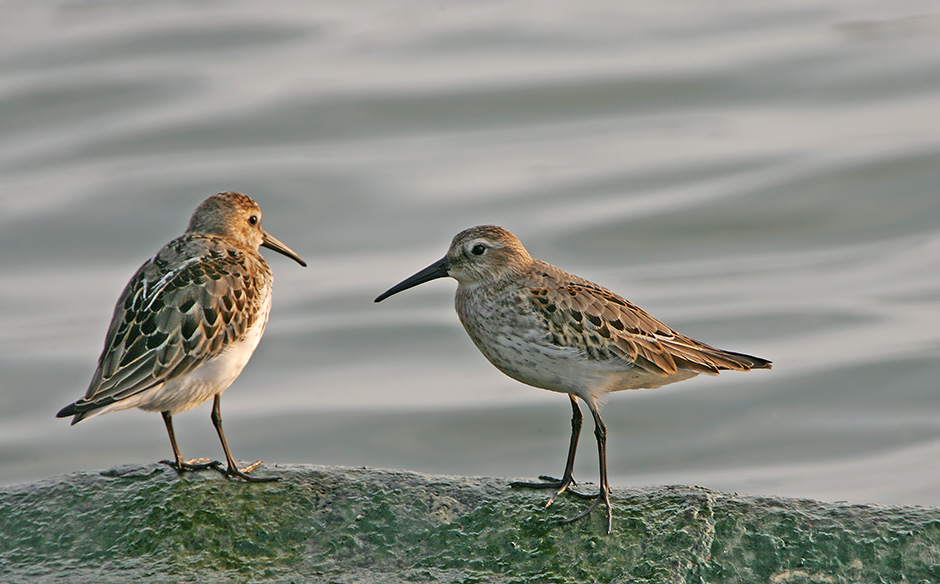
(187, 323)
(550, 329)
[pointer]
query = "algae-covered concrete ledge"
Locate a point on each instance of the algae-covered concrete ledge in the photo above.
(335, 524)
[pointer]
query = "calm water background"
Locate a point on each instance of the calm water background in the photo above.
(762, 176)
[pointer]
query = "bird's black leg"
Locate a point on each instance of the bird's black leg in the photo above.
(567, 480)
(603, 495)
(233, 470)
(177, 462)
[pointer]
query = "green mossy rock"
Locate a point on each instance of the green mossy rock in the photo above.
(333, 524)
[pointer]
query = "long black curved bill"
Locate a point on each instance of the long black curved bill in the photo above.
(271, 242)
(436, 270)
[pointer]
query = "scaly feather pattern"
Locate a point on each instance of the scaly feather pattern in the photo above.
(183, 307)
(606, 327)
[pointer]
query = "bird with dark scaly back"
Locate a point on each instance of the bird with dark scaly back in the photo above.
(187, 323)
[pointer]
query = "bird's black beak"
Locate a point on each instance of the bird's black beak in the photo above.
(436, 270)
(271, 242)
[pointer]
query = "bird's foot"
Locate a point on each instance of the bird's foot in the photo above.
(192, 465)
(560, 485)
(242, 473)
(603, 496)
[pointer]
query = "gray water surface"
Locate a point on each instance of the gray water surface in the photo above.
(763, 177)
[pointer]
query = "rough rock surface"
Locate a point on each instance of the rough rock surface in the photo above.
(345, 525)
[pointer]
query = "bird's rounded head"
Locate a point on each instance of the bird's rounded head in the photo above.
(486, 253)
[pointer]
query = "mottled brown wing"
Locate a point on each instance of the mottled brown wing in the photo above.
(606, 327)
(174, 315)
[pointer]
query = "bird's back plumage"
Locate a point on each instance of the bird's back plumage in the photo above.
(193, 300)
(603, 326)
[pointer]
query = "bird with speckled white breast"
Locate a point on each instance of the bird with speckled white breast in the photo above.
(550, 329)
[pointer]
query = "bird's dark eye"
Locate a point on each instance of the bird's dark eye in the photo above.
(478, 249)
(253, 220)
